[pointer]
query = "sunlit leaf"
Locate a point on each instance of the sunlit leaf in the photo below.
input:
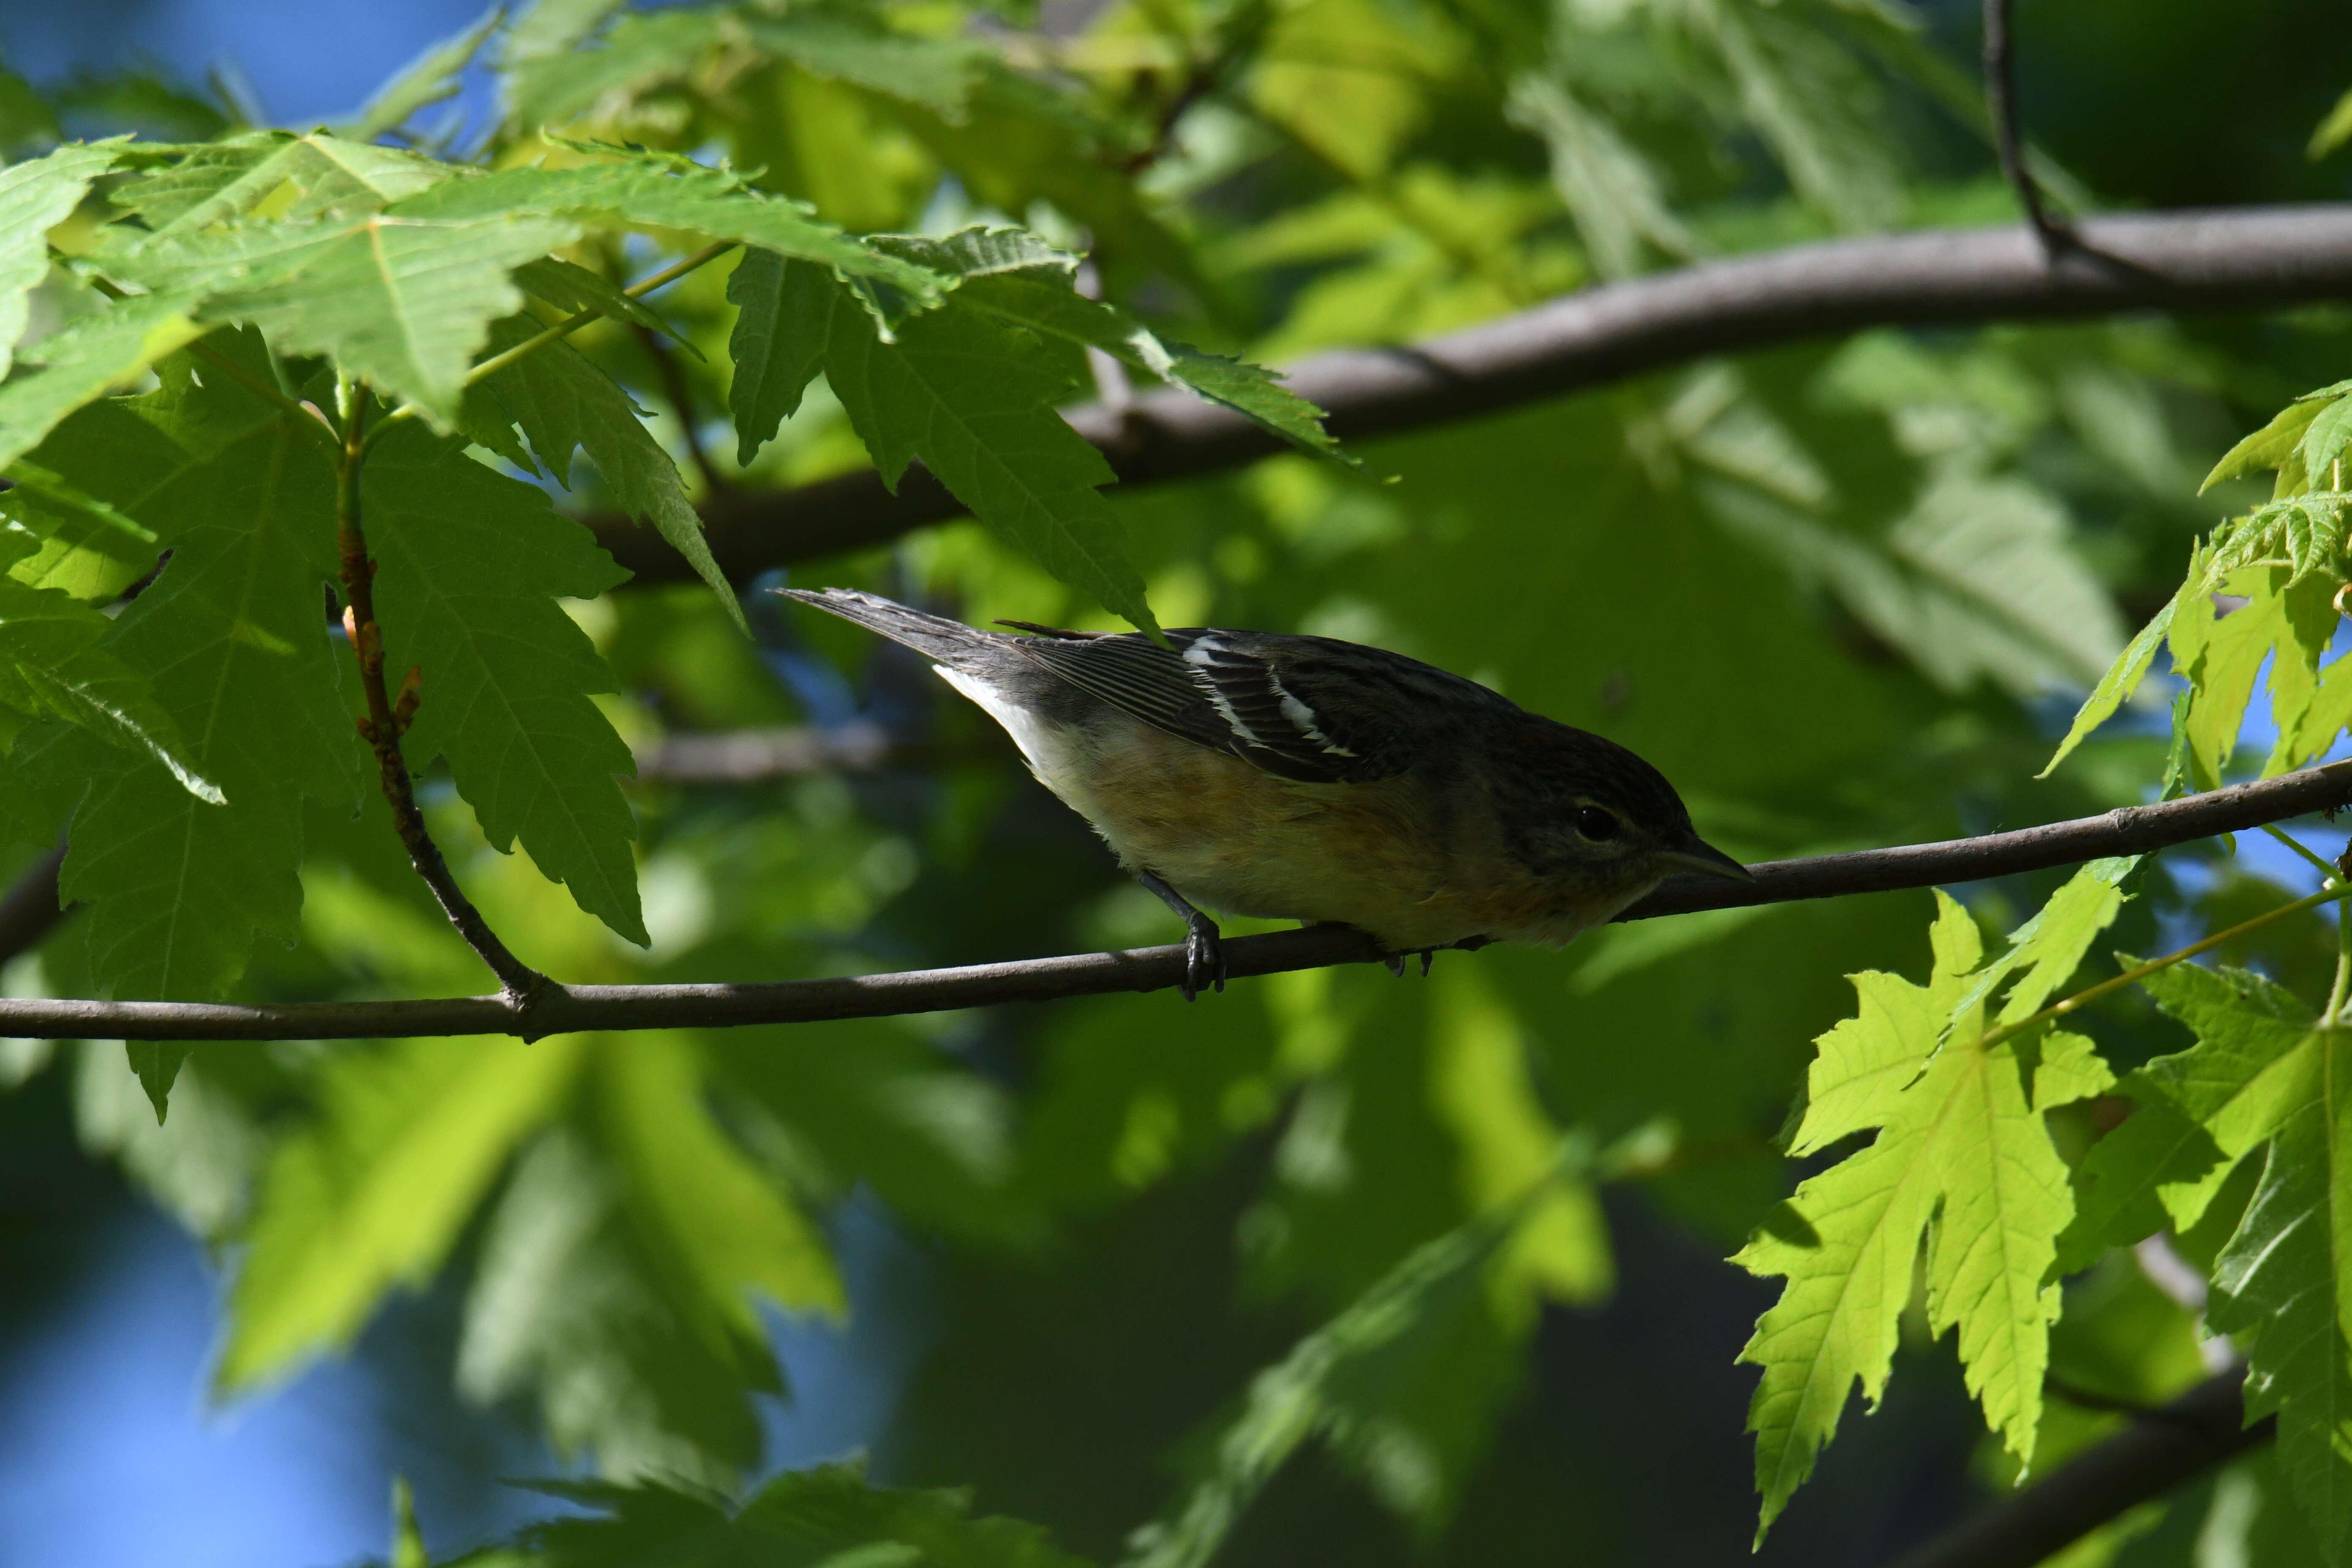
(34, 197)
(1961, 1157)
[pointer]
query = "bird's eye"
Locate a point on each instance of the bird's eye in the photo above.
(1597, 824)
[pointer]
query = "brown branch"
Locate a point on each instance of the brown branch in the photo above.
(385, 721)
(790, 751)
(2156, 1453)
(2001, 106)
(559, 1009)
(2169, 261)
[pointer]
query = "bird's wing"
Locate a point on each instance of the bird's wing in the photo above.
(1272, 700)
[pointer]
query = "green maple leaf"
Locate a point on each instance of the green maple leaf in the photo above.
(649, 192)
(230, 642)
(1017, 278)
(2120, 1189)
(572, 287)
(2263, 1072)
(722, 1231)
(2131, 666)
(84, 359)
(471, 567)
(374, 1191)
(297, 177)
(2048, 948)
(233, 644)
(829, 1514)
(34, 197)
(564, 403)
(1962, 1158)
(2285, 1279)
(783, 315)
(2284, 622)
(618, 1273)
(973, 398)
(401, 302)
(51, 666)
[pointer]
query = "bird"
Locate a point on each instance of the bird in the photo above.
(1303, 777)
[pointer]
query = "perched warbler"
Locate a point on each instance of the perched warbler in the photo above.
(1306, 778)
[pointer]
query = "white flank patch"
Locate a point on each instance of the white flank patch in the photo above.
(1027, 733)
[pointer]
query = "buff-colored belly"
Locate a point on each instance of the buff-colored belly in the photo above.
(1382, 857)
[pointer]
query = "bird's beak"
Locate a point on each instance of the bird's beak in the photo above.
(1694, 854)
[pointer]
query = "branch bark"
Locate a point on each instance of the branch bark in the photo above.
(2167, 1446)
(2188, 261)
(561, 1009)
(385, 719)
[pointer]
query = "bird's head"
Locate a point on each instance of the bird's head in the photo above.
(1580, 810)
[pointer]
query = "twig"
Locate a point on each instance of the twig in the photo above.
(681, 402)
(750, 756)
(560, 1009)
(523, 984)
(2170, 1445)
(2001, 103)
(2172, 261)
(2139, 972)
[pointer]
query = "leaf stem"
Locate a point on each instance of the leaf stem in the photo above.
(522, 985)
(2141, 972)
(2319, 863)
(565, 328)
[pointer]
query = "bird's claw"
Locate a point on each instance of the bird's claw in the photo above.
(1395, 962)
(1204, 957)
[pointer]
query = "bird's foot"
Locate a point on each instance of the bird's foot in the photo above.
(1204, 956)
(1395, 962)
(1204, 946)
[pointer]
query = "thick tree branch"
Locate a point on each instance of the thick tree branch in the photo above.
(2172, 261)
(2146, 1459)
(559, 1009)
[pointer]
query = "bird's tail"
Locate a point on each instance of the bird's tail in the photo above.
(943, 641)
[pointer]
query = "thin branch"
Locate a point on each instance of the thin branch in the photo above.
(2170, 1445)
(560, 1009)
(385, 719)
(2000, 104)
(787, 750)
(2139, 972)
(2174, 262)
